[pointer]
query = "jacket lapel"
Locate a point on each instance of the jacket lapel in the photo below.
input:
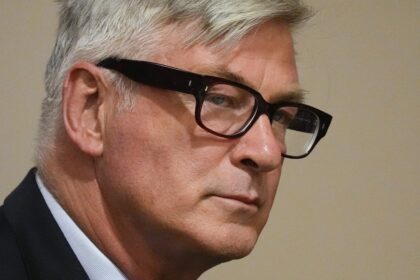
(44, 249)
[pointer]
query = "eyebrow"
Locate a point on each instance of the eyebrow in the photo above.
(297, 95)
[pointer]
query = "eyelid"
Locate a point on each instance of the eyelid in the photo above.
(221, 72)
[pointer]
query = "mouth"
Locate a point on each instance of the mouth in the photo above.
(242, 200)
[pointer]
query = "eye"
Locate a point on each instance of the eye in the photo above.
(219, 99)
(283, 117)
(224, 96)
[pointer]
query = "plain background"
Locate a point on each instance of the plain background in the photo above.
(350, 210)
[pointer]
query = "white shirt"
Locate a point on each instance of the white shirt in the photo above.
(94, 262)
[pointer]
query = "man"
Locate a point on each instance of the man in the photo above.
(161, 139)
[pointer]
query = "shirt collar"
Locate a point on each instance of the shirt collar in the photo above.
(93, 261)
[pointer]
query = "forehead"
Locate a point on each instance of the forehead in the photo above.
(264, 59)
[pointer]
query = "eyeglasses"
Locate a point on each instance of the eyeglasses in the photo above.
(229, 109)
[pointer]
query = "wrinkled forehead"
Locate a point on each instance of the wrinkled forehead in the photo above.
(263, 59)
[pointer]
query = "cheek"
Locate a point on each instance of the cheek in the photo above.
(157, 124)
(152, 156)
(138, 174)
(271, 184)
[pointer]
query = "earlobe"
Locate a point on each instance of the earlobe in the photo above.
(83, 108)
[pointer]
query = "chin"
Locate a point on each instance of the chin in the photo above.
(231, 244)
(230, 255)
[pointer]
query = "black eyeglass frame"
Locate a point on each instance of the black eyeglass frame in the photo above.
(174, 79)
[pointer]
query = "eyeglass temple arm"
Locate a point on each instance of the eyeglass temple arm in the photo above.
(156, 75)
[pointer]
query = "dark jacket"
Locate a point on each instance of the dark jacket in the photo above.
(32, 245)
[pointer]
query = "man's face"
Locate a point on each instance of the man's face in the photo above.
(169, 184)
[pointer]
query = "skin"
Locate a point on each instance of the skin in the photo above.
(156, 193)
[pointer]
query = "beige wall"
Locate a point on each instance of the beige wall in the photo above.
(349, 211)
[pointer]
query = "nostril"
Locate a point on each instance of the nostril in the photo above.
(249, 163)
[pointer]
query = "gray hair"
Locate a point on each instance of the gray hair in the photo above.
(92, 30)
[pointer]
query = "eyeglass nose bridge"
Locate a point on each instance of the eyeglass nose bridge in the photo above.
(260, 108)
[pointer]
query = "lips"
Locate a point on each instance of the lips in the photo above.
(245, 199)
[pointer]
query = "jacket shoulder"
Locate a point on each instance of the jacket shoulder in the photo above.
(11, 263)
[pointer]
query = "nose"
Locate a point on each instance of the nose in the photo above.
(259, 149)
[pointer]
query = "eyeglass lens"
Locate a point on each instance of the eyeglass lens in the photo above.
(227, 109)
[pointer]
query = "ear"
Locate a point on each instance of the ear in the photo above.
(83, 107)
